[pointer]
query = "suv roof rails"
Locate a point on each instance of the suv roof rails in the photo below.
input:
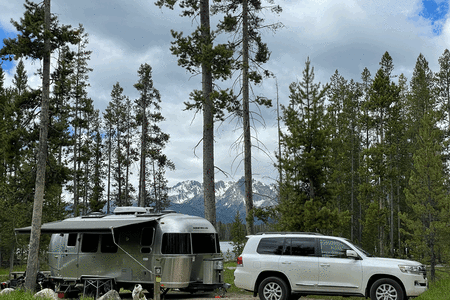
(289, 232)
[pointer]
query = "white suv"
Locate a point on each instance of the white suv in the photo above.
(279, 266)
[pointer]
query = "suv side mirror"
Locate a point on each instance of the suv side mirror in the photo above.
(352, 253)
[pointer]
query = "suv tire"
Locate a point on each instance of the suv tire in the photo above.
(386, 289)
(273, 288)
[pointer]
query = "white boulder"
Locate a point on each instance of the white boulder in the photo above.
(110, 295)
(6, 291)
(46, 293)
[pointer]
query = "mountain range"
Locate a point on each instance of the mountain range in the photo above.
(187, 197)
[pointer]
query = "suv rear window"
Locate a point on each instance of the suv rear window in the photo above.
(300, 247)
(271, 246)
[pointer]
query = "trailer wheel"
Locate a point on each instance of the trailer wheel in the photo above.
(103, 286)
(108, 286)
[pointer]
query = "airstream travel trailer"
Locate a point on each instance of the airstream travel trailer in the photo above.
(100, 252)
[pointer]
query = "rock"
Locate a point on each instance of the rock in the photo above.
(110, 295)
(138, 293)
(6, 291)
(46, 293)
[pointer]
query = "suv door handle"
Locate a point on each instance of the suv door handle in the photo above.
(286, 262)
(324, 265)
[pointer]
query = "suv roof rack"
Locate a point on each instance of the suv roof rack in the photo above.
(289, 232)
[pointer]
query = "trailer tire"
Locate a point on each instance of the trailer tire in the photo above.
(107, 287)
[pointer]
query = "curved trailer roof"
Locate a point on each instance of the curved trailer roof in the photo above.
(100, 223)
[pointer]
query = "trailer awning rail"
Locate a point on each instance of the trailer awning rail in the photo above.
(80, 224)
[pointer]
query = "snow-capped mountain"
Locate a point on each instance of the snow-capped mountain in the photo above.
(187, 197)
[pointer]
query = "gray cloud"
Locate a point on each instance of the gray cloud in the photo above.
(347, 35)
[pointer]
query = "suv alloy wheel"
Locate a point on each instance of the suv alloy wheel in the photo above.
(273, 288)
(386, 289)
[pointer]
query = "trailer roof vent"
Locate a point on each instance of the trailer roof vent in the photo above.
(94, 214)
(129, 210)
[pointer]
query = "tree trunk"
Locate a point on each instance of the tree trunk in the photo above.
(11, 257)
(119, 167)
(33, 256)
(143, 155)
(208, 122)
(157, 201)
(246, 122)
(109, 170)
(75, 144)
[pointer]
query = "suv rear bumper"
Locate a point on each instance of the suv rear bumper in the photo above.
(244, 280)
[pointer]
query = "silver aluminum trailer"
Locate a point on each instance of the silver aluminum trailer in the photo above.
(97, 252)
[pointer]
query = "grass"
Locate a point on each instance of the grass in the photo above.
(438, 289)
(4, 273)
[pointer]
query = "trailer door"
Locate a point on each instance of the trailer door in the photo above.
(68, 263)
(87, 258)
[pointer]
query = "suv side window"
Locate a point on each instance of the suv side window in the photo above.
(333, 248)
(271, 246)
(300, 247)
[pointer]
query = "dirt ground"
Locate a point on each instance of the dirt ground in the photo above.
(196, 296)
(201, 296)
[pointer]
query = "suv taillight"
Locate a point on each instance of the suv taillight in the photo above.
(239, 261)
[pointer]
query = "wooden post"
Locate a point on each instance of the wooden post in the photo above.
(157, 288)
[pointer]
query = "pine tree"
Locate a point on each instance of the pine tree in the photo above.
(115, 121)
(197, 52)
(237, 235)
(421, 100)
(153, 141)
(306, 194)
(382, 115)
(81, 108)
(426, 222)
(97, 170)
(249, 23)
(39, 34)
(131, 150)
(343, 113)
(442, 79)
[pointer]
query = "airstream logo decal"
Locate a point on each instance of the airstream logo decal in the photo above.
(198, 228)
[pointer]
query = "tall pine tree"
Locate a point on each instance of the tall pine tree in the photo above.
(153, 161)
(197, 52)
(244, 16)
(306, 193)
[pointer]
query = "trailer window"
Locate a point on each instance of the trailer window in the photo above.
(147, 236)
(108, 245)
(89, 243)
(176, 243)
(204, 243)
(72, 239)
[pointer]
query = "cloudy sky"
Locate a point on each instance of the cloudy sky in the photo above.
(346, 35)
